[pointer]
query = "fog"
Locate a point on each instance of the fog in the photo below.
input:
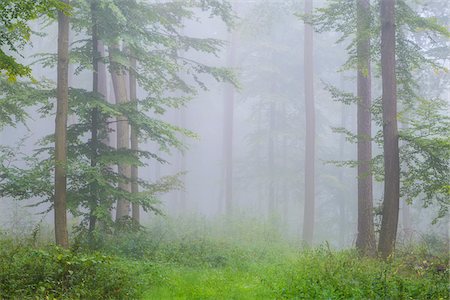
(266, 134)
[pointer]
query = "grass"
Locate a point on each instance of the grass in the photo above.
(209, 261)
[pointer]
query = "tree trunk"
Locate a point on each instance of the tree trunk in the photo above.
(308, 218)
(94, 123)
(228, 116)
(135, 211)
(390, 210)
(365, 240)
(123, 132)
(61, 235)
(341, 194)
(271, 158)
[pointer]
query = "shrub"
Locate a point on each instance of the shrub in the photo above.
(53, 272)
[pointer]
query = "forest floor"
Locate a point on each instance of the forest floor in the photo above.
(200, 260)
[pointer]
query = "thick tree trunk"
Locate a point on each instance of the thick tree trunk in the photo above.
(390, 210)
(61, 234)
(365, 240)
(135, 211)
(123, 132)
(308, 218)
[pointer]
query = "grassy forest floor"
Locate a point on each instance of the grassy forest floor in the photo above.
(199, 260)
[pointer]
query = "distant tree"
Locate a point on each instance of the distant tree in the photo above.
(60, 201)
(134, 141)
(310, 129)
(228, 123)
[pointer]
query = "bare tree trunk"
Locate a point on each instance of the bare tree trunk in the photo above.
(135, 212)
(228, 116)
(61, 235)
(182, 165)
(285, 165)
(389, 222)
(365, 240)
(341, 200)
(123, 132)
(308, 218)
(271, 159)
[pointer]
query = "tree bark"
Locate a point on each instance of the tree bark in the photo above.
(135, 210)
(308, 218)
(228, 122)
(390, 210)
(60, 203)
(271, 158)
(94, 123)
(123, 132)
(365, 240)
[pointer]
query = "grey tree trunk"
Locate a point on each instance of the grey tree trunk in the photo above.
(228, 122)
(135, 211)
(60, 201)
(341, 194)
(308, 218)
(271, 159)
(365, 240)
(390, 210)
(123, 132)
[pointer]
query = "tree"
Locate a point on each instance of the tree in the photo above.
(390, 208)
(134, 141)
(308, 216)
(228, 113)
(123, 131)
(61, 131)
(365, 241)
(152, 35)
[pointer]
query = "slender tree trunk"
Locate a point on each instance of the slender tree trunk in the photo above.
(228, 116)
(135, 211)
(61, 235)
(365, 240)
(308, 218)
(390, 210)
(123, 132)
(406, 209)
(285, 164)
(94, 123)
(271, 159)
(182, 165)
(341, 194)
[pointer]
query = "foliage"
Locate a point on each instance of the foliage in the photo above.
(201, 259)
(15, 31)
(420, 41)
(55, 273)
(15, 97)
(151, 34)
(426, 153)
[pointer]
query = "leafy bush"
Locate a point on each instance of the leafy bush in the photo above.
(324, 274)
(53, 272)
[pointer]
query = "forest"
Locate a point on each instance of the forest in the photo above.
(224, 149)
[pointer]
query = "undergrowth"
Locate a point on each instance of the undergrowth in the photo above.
(192, 259)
